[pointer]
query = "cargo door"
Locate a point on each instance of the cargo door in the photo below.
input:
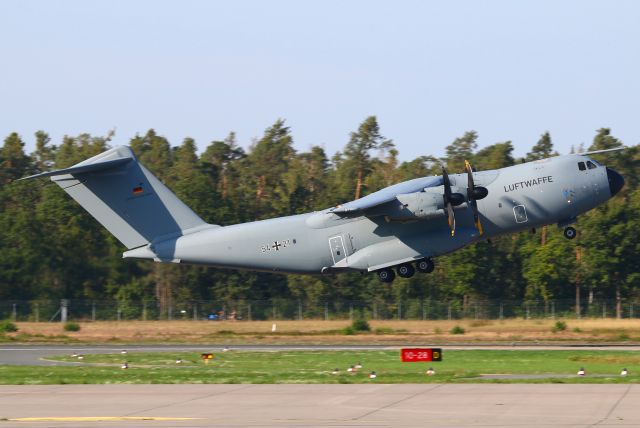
(338, 251)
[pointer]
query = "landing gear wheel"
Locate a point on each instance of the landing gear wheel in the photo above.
(386, 275)
(570, 232)
(406, 271)
(425, 266)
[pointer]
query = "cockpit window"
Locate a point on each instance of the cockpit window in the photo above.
(596, 162)
(590, 165)
(581, 166)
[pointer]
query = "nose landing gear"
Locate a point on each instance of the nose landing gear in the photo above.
(570, 232)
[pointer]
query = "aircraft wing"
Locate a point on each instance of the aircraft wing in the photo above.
(387, 194)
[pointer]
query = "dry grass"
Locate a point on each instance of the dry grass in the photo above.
(318, 331)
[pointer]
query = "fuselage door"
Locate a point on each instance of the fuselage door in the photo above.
(336, 243)
(520, 213)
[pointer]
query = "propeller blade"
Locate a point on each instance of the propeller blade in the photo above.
(478, 192)
(474, 193)
(479, 225)
(467, 166)
(451, 217)
(447, 183)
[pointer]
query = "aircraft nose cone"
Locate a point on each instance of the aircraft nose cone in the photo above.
(615, 181)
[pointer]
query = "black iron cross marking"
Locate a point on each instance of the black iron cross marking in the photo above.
(276, 245)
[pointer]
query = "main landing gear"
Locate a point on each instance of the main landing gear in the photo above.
(425, 266)
(406, 270)
(570, 232)
(386, 275)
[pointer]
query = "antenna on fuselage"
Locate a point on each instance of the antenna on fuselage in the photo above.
(593, 152)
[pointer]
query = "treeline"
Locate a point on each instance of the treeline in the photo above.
(51, 248)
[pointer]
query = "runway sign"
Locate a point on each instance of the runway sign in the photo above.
(417, 355)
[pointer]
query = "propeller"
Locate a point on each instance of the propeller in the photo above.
(474, 193)
(450, 200)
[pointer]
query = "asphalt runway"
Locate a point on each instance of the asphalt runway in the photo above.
(33, 355)
(30, 355)
(320, 405)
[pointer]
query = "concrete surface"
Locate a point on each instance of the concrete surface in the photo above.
(321, 405)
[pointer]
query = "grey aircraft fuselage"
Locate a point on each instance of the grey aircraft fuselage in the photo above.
(520, 197)
(400, 226)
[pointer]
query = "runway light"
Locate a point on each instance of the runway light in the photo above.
(431, 371)
(358, 366)
(373, 375)
(179, 361)
(225, 349)
(624, 372)
(74, 355)
(81, 357)
(582, 371)
(123, 352)
(124, 365)
(335, 371)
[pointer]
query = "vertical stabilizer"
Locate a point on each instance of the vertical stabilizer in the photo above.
(126, 198)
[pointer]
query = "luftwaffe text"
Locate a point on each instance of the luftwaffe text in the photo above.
(528, 183)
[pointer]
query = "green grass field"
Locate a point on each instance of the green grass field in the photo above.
(316, 367)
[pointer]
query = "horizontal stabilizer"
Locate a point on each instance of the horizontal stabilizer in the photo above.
(93, 167)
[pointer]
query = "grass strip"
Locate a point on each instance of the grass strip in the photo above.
(309, 367)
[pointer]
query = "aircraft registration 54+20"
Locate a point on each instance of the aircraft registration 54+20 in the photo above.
(398, 229)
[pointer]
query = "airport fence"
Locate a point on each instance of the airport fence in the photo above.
(294, 309)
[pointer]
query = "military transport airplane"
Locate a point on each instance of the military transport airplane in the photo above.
(400, 227)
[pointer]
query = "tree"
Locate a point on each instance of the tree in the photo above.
(20, 236)
(265, 167)
(188, 180)
(604, 140)
(154, 152)
(357, 152)
(217, 157)
(44, 156)
(303, 187)
(384, 172)
(78, 149)
(542, 149)
(14, 163)
(495, 156)
(461, 149)
(422, 166)
(547, 277)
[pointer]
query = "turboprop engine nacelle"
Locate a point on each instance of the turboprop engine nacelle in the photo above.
(419, 205)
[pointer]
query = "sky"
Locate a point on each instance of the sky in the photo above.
(429, 70)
